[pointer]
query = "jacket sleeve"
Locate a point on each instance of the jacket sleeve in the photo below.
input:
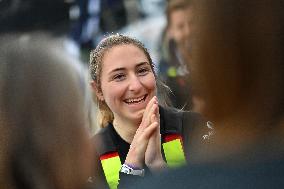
(98, 180)
(196, 133)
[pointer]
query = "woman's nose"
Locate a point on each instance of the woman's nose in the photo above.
(135, 83)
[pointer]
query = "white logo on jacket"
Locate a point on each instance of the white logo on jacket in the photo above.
(210, 132)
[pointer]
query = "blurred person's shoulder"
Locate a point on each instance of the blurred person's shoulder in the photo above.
(104, 140)
(228, 174)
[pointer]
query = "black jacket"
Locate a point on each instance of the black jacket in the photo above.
(191, 126)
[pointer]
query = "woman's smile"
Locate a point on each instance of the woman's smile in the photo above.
(137, 100)
(137, 103)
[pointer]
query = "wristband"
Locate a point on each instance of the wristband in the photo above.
(131, 171)
(132, 167)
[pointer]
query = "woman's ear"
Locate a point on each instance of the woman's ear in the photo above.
(98, 92)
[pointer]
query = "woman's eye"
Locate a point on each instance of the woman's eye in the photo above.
(118, 77)
(143, 71)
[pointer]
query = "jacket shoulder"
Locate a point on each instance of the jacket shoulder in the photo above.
(171, 120)
(103, 141)
(178, 121)
(193, 118)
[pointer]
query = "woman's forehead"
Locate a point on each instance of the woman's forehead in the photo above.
(123, 56)
(123, 47)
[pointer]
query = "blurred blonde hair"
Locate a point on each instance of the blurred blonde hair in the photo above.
(43, 116)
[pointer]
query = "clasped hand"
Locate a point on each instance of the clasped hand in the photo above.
(146, 144)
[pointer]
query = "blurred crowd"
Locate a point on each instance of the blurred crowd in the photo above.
(81, 24)
(221, 59)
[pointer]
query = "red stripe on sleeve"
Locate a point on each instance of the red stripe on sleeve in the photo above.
(172, 137)
(109, 155)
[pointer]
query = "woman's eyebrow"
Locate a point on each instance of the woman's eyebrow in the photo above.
(141, 64)
(122, 69)
(116, 69)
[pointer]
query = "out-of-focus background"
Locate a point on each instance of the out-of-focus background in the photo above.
(78, 25)
(163, 26)
(81, 24)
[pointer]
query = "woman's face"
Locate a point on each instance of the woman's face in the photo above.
(127, 82)
(180, 26)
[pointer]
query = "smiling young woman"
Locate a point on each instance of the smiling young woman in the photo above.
(136, 131)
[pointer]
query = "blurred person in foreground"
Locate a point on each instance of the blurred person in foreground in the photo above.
(173, 69)
(27, 17)
(45, 142)
(238, 69)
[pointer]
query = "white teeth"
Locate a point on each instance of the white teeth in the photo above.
(135, 100)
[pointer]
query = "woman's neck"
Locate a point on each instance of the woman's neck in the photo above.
(125, 129)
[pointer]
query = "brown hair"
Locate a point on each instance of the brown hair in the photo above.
(238, 58)
(96, 58)
(43, 113)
